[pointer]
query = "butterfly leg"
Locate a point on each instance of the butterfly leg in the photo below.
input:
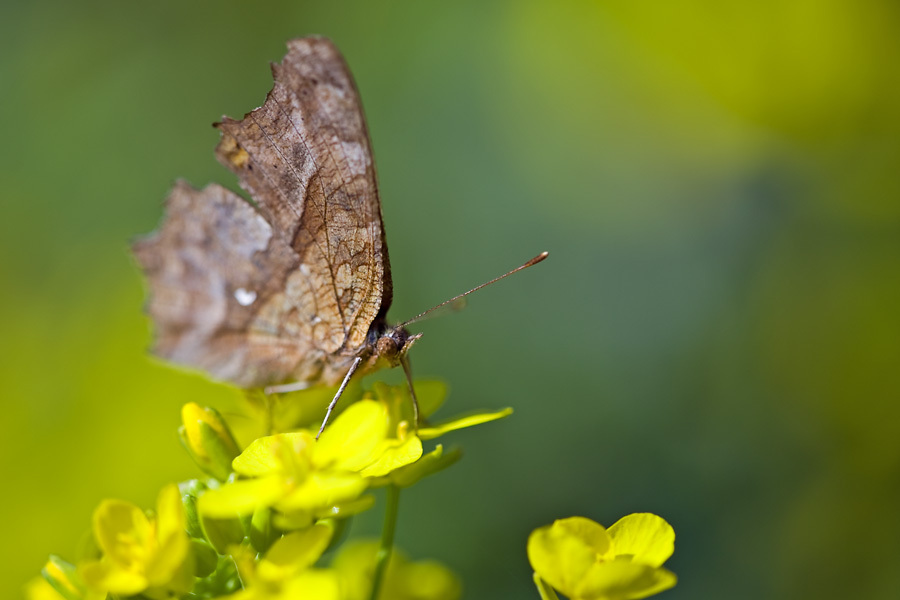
(340, 391)
(407, 370)
(286, 387)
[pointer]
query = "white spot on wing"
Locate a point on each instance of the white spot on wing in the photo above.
(244, 297)
(356, 156)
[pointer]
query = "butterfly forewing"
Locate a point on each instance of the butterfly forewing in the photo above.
(298, 303)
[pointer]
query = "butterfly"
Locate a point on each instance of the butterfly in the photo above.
(294, 287)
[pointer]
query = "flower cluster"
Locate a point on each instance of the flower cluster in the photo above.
(266, 523)
(257, 528)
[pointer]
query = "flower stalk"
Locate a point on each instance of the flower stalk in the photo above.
(383, 557)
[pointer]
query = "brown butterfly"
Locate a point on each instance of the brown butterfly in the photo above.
(295, 286)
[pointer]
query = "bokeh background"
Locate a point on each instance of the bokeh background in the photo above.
(715, 337)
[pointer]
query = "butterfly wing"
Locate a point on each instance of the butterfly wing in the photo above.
(322, 277)
(207, 282)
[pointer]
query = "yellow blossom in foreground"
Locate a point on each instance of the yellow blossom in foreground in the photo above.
(293, 472)
(285, 572)
(371, 443)
(141, 554)
(584, 561)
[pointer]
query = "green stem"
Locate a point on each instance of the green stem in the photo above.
(387, 540)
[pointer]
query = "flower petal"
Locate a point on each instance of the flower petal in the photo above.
(348, 508)
(426, 579)
(265, 455)
(350, 442)
(647, 538)
(294, 552)
(623, 579)
(321, 584)
(427, 433)
(163, 565)
(122, 531)
(564, 553)
(397, 454)
(170, 516)
(101, 575)
(321, 490)
(241, 497)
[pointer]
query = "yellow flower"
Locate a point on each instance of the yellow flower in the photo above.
(292, 472)
(404, 579)
(285, 572)
(368, 444)
(584, 561)
(141, 554)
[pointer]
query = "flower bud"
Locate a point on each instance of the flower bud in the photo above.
(223, 533)
(208, 440)
(63, 578)
(263, 532)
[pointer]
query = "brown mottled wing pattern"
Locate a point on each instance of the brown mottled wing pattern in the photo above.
(288, 289)
(206, 278)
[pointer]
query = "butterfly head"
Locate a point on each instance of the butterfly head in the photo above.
(392, 343)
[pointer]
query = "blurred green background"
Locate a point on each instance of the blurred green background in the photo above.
(715, 337)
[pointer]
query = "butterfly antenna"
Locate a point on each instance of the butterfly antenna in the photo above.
(530, 263)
